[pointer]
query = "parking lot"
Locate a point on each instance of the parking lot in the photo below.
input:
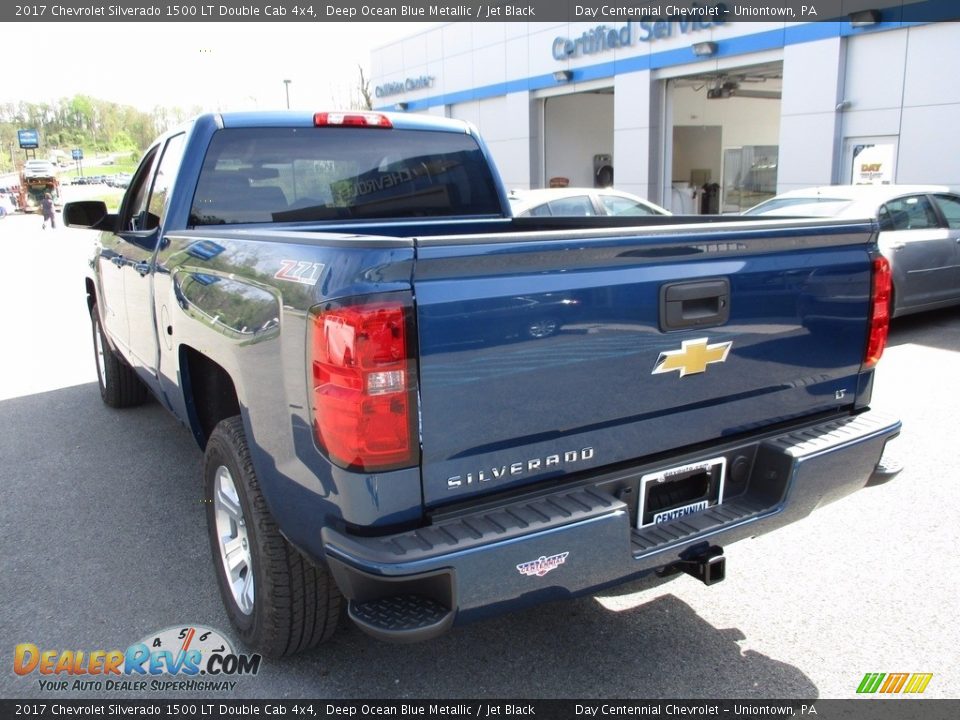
(102, 541)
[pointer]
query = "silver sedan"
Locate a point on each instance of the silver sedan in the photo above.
(919, 233)
(580, 202)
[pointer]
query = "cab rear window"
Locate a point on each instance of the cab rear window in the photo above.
(262, 175)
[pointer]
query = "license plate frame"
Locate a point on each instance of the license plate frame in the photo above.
(712, 471)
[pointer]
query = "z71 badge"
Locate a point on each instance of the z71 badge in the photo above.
(692, 357)
(306, 273)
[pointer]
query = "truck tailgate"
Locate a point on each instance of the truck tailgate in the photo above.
(546, 354)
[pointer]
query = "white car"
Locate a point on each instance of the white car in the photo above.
(39, 168)
(579, 202)
(919, 233)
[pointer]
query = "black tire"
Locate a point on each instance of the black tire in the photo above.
(119, 385)
(295, 605)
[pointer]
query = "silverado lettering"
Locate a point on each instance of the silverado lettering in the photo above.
(519, 468)
(318, 296)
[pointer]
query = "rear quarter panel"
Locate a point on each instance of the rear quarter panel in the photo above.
(242, 298)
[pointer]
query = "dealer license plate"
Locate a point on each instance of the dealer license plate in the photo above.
(668, 515)
(676, 492)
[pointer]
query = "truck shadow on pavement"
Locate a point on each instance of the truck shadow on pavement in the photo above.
(104, 530)
(569, 649)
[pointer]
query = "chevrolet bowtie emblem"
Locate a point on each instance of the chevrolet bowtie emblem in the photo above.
(692, 357)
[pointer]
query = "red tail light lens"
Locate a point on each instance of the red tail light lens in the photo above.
(879, 312)
(351, 119)
(364, 384)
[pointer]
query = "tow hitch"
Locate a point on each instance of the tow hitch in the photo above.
(706, 564)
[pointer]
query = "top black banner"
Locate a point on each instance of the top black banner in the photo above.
(858, 12)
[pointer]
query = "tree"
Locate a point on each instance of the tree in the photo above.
(363, 101)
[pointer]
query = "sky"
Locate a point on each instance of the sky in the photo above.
(216, 66)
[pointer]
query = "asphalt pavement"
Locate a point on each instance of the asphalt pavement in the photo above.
(102, 542)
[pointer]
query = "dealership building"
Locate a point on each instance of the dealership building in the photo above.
(697, 116)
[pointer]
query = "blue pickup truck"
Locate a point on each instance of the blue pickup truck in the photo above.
(413, 404)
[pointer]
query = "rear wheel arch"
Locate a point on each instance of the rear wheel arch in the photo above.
(210, 394)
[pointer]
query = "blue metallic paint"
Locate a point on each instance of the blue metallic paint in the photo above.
(796, 323)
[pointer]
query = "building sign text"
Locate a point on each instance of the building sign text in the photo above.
(395, 88)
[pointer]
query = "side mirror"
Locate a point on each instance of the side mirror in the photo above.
(88, 215)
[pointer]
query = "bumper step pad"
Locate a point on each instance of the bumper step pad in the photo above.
(399, 616)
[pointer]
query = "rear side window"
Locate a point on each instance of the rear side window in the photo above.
(577, 206)
(616, 205)
(950, 207)
(260, 175)
(911, 213)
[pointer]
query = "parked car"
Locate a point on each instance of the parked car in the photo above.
(919, 233)
(579, 202)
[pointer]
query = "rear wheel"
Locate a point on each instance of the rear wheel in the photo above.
(541, 328)
(119, 385)
(278, 601)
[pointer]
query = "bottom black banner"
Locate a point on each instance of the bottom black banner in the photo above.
(859, 709)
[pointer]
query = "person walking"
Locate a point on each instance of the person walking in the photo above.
(46, 205)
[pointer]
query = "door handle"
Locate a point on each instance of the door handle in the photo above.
(897, 246)
(142, 267)
(117, 260)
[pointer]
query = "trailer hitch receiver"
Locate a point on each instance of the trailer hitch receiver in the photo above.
(708, 565)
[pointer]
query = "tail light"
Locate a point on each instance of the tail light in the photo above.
(364, 383)
(879, 312)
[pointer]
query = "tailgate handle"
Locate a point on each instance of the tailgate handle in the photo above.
(700, 303)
